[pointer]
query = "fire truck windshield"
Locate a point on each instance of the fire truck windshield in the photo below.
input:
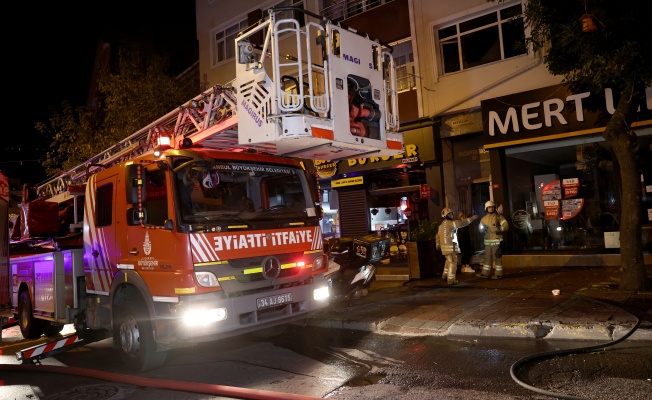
(226, 190)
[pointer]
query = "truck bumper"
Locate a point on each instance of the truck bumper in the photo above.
(242, 314)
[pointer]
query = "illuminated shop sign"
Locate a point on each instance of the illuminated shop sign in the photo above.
(419, 147)
(551, 113)
(356, 180)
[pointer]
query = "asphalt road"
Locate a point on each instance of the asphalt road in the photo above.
(314, 362)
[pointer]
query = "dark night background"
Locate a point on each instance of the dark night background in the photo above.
(51, 57)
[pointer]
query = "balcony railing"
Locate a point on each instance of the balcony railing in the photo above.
(340, 10)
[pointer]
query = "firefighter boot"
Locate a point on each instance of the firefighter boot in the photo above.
(486, 271)
(452, 269)
(499, 272)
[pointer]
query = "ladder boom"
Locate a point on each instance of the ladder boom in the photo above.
(330, 94)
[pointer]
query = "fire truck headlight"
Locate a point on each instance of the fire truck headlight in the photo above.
(204, 317)
(320, 293)
(206, 279)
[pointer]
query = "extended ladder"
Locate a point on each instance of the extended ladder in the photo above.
(332, 100)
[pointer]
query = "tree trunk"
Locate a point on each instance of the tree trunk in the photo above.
(623, 143)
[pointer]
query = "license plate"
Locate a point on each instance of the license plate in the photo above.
(272, 301)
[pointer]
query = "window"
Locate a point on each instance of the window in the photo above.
(224, 37)
(156, 195)
(299, 16)
(404, 60)
(487, 38)
(218, 190)
(224, 42)
(566, 193)
(104, 205)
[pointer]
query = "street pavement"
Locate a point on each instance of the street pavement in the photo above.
(589, 306)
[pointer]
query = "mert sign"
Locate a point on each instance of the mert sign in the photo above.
(538, 114)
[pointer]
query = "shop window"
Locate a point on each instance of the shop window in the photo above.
(564, 197)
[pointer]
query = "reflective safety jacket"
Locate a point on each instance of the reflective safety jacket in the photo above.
(446, 239)
(493, 225)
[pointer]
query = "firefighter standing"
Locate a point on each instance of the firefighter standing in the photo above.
(446, 242)
(493, 225)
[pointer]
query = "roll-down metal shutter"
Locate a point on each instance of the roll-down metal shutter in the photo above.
(353, 213)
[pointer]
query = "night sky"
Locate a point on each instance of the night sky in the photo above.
(51, 56)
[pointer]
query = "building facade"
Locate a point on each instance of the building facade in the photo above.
(483, 120)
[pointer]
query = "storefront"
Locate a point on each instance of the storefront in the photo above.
(385, 195)
(555, 176)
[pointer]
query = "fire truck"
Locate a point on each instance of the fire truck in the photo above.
(205, 223)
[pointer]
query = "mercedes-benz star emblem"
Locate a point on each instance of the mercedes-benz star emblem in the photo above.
(271, 267)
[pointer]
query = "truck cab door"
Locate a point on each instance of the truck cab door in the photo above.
(100, 232)
(152, 247)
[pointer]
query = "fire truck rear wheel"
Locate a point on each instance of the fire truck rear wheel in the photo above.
(30, 327)
(134, 337)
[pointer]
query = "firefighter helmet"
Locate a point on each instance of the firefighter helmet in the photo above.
(445, 212)
(489, 204)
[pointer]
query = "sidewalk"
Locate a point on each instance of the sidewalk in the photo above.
(521, 305)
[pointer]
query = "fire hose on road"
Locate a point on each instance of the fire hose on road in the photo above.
(192, 387)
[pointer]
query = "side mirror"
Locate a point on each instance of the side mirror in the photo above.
(135, 178)
(319, 210)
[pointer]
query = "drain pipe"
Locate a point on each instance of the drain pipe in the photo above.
(191, 387)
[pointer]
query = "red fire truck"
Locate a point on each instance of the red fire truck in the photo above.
(205, 223)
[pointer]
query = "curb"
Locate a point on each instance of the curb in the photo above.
(400, 326)
(487, 312)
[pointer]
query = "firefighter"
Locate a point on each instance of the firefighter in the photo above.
(446, 242)
(493, 224)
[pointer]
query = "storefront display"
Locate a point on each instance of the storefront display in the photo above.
(557, 176)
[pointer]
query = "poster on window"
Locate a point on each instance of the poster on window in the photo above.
(551, 191)
(570, 208)
(571, 187)
(551, 207)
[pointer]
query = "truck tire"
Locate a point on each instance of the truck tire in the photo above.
(52, 329)
(134, 337)
(30, 327)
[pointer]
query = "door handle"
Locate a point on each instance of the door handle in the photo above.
(133, 252)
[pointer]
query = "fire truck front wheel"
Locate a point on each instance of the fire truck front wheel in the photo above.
(30, 327)
(53, 329)
(134, 337)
